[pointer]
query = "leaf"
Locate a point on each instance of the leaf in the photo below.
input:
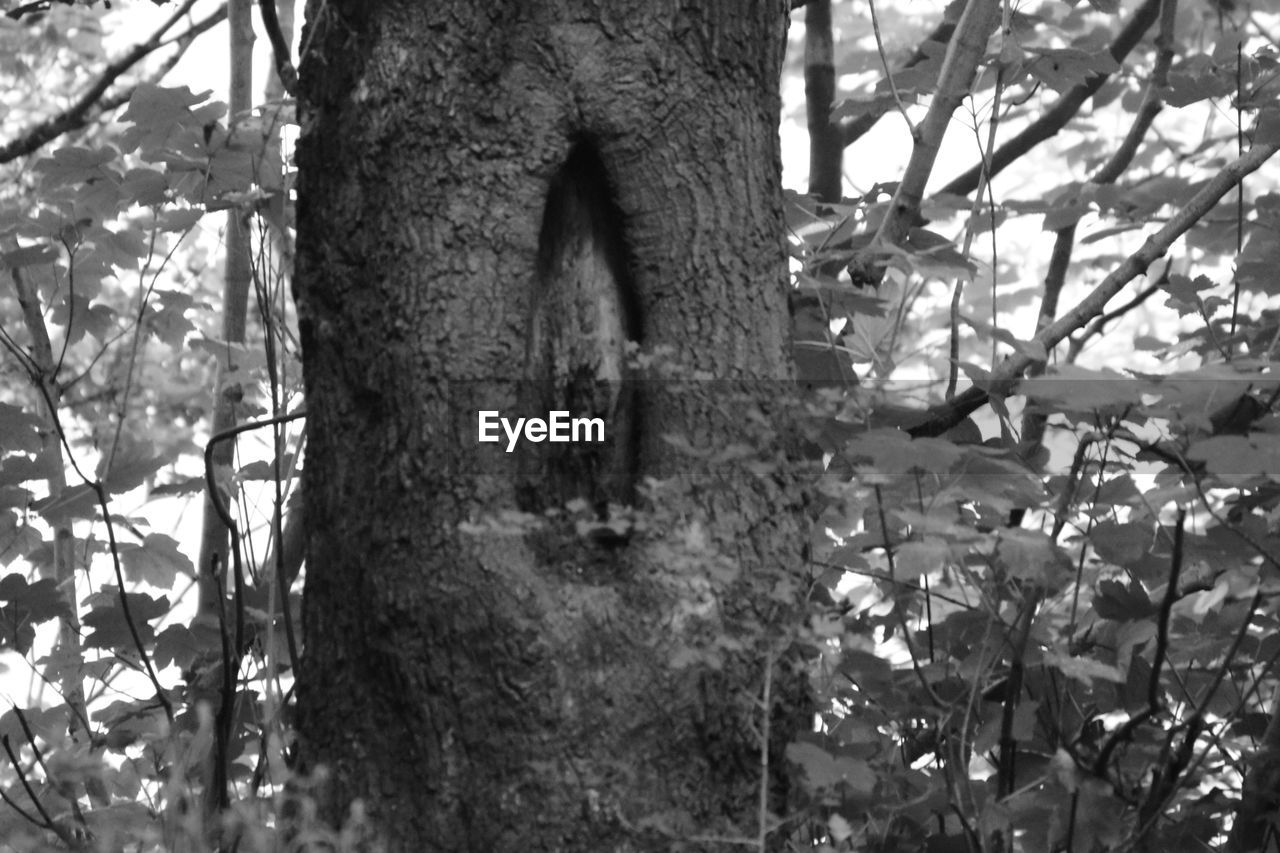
(868, 672)
(166, 316)
(1185, 293)
(1259, 260)
(934, 256)
(1082, 669)
(156, 561)
(1068, 207)
(1073, 389)
(1065, 68)
(1267, 131)
(892, 452)
(127, 720)
(1197, 79)
(181, 646)
(1200, 603)
(74, 765)
(157, 112)
(48, 724)
(824, 770)
(17, 537)
(1120, 602)
(19, 429)
(73, 164)
(1121, 544)
(110, 627)
(826, 298)
(1119, 491)
(146, 187)
(21, 469)
(993, 482)
(130, 468)
(913, 559)
(1239, 457)
(1032, 555)
(27, 605)
(27, 256)
(122, 820)
(178, 219)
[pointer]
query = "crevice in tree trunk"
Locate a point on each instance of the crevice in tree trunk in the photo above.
(584, 315)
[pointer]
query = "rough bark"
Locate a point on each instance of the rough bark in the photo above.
(486, 689)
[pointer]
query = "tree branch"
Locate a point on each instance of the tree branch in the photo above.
(853, 129)
(46, 820)
(1098, 324)
(941, 418)
(965, 51)
(1063, 111)
(77, 115)
(1033, 422)
(279, 47)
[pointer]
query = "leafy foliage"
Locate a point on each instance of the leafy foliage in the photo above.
(1049, 625)
(108, 256)
(1044, 621)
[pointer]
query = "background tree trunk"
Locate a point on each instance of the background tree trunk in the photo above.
(461, 164)
(826, 144)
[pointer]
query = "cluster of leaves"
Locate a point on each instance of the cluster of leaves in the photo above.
(1048, 603)
(107, 251)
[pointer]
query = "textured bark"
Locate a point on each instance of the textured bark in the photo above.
(539, 692)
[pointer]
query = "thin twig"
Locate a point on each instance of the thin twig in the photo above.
(125, 610)
(888, 72)
(63, 835)
(902, 620)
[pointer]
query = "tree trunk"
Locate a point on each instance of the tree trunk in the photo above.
(493, 198)
(214, 575)
(826, 146)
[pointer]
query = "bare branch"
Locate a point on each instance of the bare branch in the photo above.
(1064, 110)
(939, 419)
(1033, 422)
(1098, 324)
(279, 47)
(966, 50)
(888, 72)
